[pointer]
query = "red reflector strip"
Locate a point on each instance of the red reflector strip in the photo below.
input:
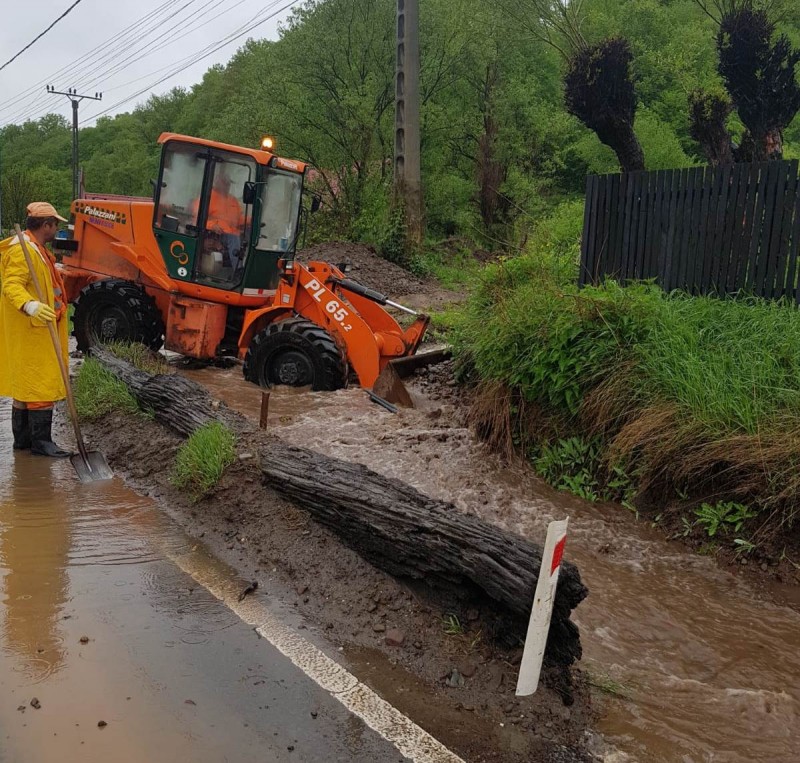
(558, 553)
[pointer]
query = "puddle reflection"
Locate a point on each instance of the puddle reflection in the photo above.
(34, 550)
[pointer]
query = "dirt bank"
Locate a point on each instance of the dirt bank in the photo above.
(429, 658)
(369, 268)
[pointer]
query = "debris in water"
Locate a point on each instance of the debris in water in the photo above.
(84, 639)
(189, 702)
(101, 724)
(252, 587)
(35, 704)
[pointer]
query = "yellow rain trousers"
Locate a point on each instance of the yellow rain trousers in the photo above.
(28, 366)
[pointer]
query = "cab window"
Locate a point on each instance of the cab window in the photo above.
(279, 211)
(181, 185)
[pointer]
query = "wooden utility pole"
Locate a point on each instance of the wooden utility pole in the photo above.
(75, 99)
(407, 164)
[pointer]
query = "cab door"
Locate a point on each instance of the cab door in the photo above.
(177, 207)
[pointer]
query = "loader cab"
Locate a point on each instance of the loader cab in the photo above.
(222, 219)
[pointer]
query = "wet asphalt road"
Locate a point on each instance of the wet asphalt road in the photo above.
(171, 670)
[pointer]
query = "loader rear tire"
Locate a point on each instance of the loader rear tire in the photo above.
(297, 353)
(116, 311)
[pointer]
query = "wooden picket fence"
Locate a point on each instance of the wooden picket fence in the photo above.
(733, 229)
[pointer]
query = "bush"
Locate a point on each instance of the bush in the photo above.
(202, 459)
(98, 392)
(694, 395)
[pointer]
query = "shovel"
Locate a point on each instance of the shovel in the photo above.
(90, 466)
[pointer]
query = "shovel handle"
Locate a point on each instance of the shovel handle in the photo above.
(73, 412)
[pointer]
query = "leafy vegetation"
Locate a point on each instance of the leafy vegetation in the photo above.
(98, 392)
(500, 149)
(613, 387)
(725, 516)
(202, 459)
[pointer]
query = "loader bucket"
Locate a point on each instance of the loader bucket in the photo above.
(389, 384)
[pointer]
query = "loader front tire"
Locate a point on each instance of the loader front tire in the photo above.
(297, 353)
(116, 311)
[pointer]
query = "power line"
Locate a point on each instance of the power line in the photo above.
(199, 57)
(112, 59)
(170, 65)
(30, 95)
(39, 36)
(90, 80)
(139, 48)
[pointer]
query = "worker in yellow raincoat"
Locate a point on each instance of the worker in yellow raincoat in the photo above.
(29, 371)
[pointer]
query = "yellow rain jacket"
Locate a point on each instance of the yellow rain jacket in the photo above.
(28, 366)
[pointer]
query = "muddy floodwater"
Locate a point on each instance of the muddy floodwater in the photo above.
(100, 623)
(695, 665)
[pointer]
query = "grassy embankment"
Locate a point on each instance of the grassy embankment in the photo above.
(633, 395)
(199, 462)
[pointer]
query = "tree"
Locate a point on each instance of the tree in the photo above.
(599, 84)
(20, 188)
(599, 90)
(708, 114)
(759, 71)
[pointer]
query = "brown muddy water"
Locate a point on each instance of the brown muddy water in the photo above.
(102, 620)
(691, 663)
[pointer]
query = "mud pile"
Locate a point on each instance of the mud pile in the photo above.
(366, 266)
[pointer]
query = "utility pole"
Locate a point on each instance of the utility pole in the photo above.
(75, 98)
(407, 163)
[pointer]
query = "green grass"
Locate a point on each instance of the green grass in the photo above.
(444, 323)
(98, 392)
(202, 459)
(695, 396)
(141, 357)
(454, 269)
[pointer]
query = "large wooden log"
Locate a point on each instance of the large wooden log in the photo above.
(179, 403)
(388, 522)
(411, 535)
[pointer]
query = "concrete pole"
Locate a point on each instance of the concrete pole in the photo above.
(407, 163)
(75, 98)
(75, 104)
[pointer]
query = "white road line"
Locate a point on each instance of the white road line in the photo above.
(385, 719)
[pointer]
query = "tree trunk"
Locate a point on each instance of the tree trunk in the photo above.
(491, 170)
(391, 524)
(619, 135)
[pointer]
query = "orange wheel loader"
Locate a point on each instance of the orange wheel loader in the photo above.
(207, 269)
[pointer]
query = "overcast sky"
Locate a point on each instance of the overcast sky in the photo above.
(119, 47)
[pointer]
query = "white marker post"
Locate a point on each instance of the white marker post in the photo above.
(539, 625)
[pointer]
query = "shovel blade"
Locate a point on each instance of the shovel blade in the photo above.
(93, 469)
(390, 387)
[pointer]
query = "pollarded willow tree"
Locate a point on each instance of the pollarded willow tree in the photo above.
(599, 84)
(708, 116)
(759, 69)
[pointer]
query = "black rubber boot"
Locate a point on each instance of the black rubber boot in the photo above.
(20, 428)
(41, 425)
